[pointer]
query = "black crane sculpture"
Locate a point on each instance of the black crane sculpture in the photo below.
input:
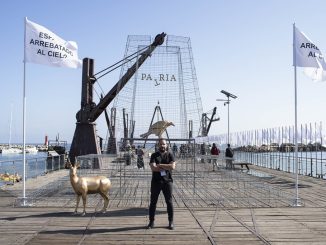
(85, 140)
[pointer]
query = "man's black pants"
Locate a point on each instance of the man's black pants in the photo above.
(156, 188)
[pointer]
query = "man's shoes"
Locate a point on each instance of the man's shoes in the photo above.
(150, 225)
(171, 226)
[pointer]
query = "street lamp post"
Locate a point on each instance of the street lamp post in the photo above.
(227, 102)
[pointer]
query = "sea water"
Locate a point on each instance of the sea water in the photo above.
(36, 164)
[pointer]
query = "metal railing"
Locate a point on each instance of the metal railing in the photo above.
(310, 163)
(34, 167)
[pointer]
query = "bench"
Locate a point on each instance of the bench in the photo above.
(241, 164)
(230, 162)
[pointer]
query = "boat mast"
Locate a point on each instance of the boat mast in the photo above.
(9, 143)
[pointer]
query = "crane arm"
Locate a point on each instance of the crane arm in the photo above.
(100, 107)
(212, 120)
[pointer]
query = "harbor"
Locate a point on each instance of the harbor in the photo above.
(213, 110)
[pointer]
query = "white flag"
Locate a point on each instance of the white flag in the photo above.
(306, 53)
(316, 74)
(44, 47)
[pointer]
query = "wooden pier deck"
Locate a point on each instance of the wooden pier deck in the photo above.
(224, 207)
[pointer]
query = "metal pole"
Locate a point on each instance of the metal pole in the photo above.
(24, 118)
(228, 120)
(228, 95)
(296, 202)
(120, 177)
(194, 161)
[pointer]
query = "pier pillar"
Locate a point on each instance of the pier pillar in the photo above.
(85, 138)
(112, 146)
(84, 142)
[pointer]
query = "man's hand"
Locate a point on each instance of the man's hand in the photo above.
(155, 168)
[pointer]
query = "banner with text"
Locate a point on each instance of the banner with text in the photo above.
(44, 47)
(306, 53)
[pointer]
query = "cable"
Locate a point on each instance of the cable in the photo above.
(113, 69)
(128, 58)
(120, 62)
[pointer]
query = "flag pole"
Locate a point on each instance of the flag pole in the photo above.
(296, 201)
(24, 119)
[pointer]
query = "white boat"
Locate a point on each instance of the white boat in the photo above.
(31, 149)
(19, 150)
(11, 150)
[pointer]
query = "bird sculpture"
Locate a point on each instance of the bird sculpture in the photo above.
(157, 128)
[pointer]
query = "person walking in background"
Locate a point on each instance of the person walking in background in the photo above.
(175, 150)
(215, 152)
(162, 163)
(229, 155)
(140, 157)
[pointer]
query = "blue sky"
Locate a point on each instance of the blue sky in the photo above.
(244, 47)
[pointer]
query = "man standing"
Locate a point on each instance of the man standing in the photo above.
(229, 156)
(161, 163)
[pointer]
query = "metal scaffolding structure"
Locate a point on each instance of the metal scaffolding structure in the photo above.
(168, 80)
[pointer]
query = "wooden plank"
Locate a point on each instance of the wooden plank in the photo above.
(246, 208)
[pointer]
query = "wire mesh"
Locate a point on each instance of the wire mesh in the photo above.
(168, 79)
(195, 182)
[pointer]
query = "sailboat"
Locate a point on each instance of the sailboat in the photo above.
(10, 149)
